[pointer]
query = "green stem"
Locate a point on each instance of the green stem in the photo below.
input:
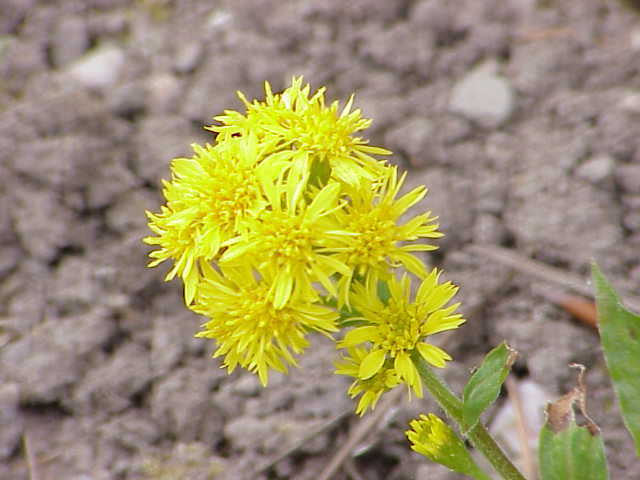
(478, 435)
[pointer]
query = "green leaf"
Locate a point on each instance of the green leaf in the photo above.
(571, 454)
(620, 337)
(484, 385)
(567, 451)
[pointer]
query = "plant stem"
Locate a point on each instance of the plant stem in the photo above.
(478, 435)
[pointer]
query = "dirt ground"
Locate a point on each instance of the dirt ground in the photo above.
(522, 117)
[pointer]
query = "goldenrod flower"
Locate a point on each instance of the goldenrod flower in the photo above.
(305, 129)
(394, 329)
(249, 330)
(208, 197)
(287, 205)
(434, 439)
(287, 242)
(373, 240)
(371, 388)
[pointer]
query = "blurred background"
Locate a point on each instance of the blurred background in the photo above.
(522, 117)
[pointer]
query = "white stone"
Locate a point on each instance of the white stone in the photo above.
(164, 93)
(483, 96)
(188, 58)
(634, 39)
(100, 68)
(631, 103)
(218, 19)
(596, 169)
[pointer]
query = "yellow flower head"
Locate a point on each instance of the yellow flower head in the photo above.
(208, 197)
(308, 130)
(287, 241)
(429, 435)
(289, 212)
(373, 240)
(248, 329)
(434, 439)
(371, 388)
(394, 329)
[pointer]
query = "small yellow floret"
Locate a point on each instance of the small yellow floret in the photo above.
(373, 241)
(433, 438)
(288, 242)
(249, 330)
(300, 124)
(372, 387)
(208, 197)
(393, 330)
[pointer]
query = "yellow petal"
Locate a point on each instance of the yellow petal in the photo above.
(432, 354)
(371, 364)
(403, 366)
(284, 287)
(358, 335)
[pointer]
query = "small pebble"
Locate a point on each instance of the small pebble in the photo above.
(188, 58)
(483, 96)
(631, 103)
(100, 68)
(218, 19)
(634, 39)
(596, 169)
(163, 91)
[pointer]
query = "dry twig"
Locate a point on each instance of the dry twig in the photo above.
(32, 464)
(361, 430)
(328, 425)
(524, 433)
(544, 272)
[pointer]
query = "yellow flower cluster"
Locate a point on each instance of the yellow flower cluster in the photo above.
(392, 330)
(288, 224)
